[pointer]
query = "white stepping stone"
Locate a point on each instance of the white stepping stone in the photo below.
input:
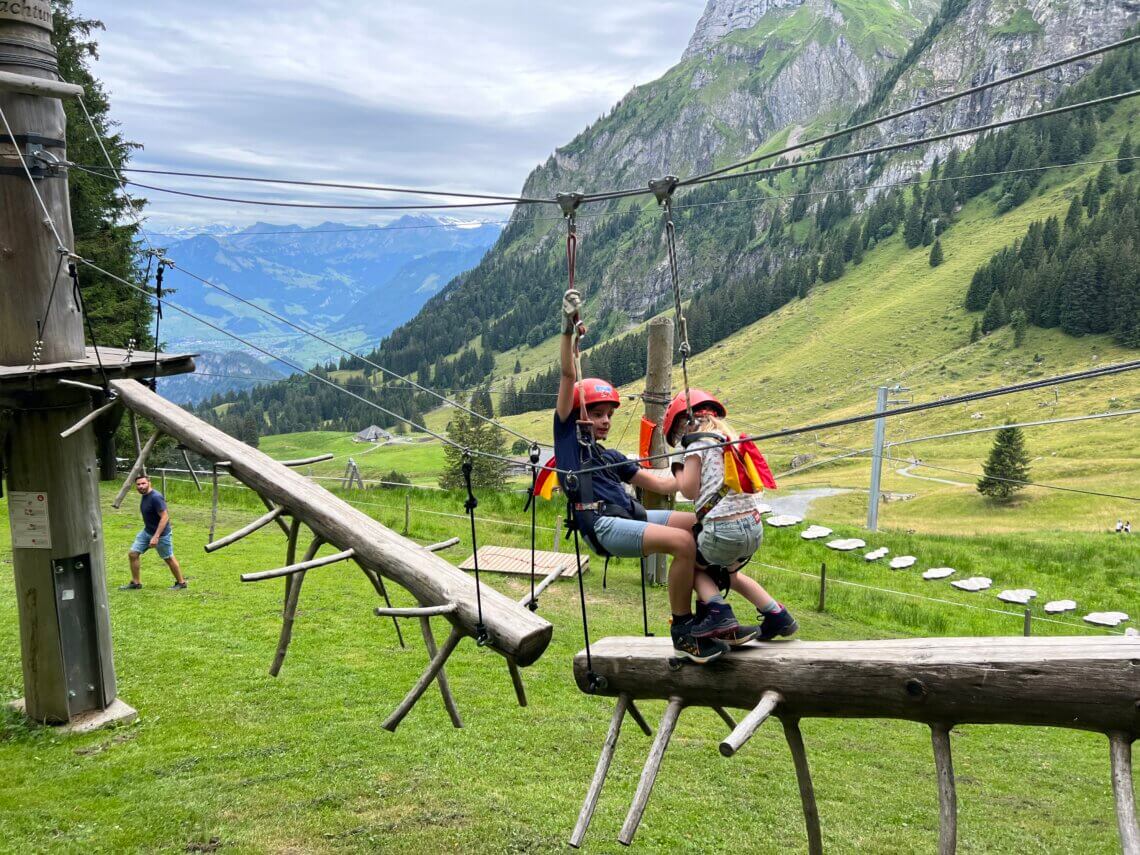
(1132, 632)
(781, 520)
(974, 583)
(1021, 596)
(1106, 618)
(815, 532)
(939, 573)
(847, 544)
(876, 554)
(902, 562)
(1056, 607)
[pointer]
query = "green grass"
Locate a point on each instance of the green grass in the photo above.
(224, 753)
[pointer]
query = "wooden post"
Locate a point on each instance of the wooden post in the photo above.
(749, 725)
(1027, 630)
(407, 511)
(1120, 746)
(600, 772)
(649, 773)
(947, 795)
(803, 778)
(57, 525)
(213, 500)
(163, 471)
(658, 388)
(822, 587)
(557, 534)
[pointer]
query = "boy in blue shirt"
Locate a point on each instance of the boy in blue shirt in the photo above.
(611, 521)
(156, 533)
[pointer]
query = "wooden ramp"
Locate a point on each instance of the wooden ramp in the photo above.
(507, 559)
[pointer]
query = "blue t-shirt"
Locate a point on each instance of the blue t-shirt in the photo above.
(151, 508)
(607, 482)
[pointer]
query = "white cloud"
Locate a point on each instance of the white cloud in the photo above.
(465, 96)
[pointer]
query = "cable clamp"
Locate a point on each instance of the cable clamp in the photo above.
(663, 188)
(472, 503)
(481, 636)
(594, 683)
(569, 202)
(535, 452)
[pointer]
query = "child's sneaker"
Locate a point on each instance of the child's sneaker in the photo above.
(740, 636)
(718, 620)
(178, 586)
(774, 624)
(699, 650)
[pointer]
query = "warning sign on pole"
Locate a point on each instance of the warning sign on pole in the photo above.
(28, 513)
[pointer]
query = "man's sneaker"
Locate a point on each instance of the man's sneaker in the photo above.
(699, 650)
(774, 624)
(740, 636)
(178, 586)
(130, 586)
(718, 620)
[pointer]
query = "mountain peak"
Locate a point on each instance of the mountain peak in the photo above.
(721, 17)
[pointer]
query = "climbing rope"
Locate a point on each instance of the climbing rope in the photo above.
(594, 681)
(534, 455)
(157, 316)
(470, 505)
(77, 294)
(663, 190)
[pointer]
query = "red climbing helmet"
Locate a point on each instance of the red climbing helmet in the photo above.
(597, 391)
(698, 399)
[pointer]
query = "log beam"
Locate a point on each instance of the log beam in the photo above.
(1085, 683)
(512, 629)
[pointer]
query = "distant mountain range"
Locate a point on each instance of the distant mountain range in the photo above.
(354, 283)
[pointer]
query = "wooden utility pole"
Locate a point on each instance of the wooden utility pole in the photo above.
(658, 389)
(52, 481)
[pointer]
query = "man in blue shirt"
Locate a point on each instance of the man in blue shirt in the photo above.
(156, 533)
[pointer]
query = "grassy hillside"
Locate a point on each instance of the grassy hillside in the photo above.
(894, 319)
(226, 758)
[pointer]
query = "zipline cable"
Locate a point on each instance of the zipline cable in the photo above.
(296, 368)
(318, 337)
(925, 105)
(333, 185)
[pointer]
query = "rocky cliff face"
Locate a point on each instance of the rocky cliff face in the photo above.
(722, 17)
(990, 39)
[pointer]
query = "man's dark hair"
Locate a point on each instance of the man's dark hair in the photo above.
(141, 475)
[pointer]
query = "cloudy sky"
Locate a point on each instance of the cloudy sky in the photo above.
(440, 95)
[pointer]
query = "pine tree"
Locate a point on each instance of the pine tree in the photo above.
(518, 367)
(936, 254)
(975, 333)
(912, 228)
(928, 234)
(1007, 465)
(995, 315)
(1124, 164)
(1018, 320)
(1104, 179)
(1075, 214)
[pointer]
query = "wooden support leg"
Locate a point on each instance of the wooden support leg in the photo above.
(947, 796)
(190, 468)
(728, 719)
(378, 583)
(137, 469)
(292, 593)
(433, 668)
(803, 777)
(744, 731)
(1120, 746)
(441, 678)
(649, 773)
(213, 504)
(636, 715)
(516, 679)
(600, 772)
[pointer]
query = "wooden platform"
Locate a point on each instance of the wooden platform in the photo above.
(507, 559)
(16, 378)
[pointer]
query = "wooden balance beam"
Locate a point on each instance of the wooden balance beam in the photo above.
(1084, 683)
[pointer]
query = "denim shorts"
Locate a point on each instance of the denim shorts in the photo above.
(165, 548)
(623, 538)
(726, 542)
